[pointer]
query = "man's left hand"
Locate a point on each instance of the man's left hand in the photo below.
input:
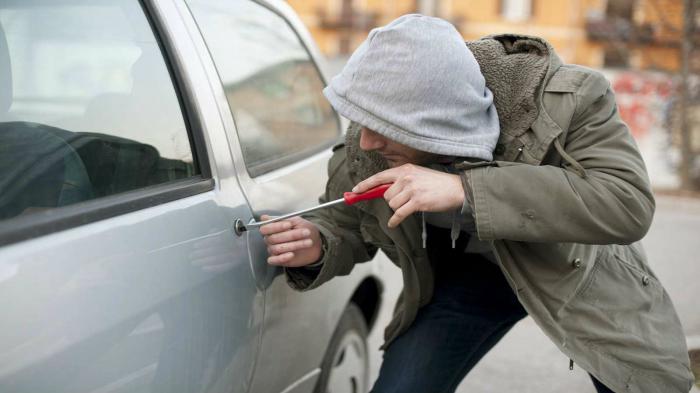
(415, 189)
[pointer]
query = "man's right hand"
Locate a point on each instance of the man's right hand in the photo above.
(293, 242)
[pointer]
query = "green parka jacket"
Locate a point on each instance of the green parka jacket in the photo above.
(563, 204)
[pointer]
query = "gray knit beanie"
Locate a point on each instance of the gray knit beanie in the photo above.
(416, 82)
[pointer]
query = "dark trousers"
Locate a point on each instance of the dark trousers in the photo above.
(472, 308)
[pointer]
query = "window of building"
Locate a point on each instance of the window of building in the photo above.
(516, 10)
(621, 9)
(616, 56)
(428, 7)
(272, 86)
(87, 105)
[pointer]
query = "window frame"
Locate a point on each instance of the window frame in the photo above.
(41, 223)
(288, 159)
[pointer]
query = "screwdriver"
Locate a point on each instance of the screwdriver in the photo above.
(349, 198)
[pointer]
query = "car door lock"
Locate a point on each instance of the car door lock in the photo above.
(239, 227)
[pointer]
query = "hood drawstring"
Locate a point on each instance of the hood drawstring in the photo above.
(578, 168)
(454, 231)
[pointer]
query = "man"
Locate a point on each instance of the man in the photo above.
(517, 190)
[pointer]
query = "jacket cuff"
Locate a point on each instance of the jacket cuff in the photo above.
(307, 277)
(324, 250)
(476, 188)
(468, 197)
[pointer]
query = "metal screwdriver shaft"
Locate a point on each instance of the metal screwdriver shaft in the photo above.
(349, 198)
(297, 213)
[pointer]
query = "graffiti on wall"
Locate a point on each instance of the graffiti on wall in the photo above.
(642, 99)
(647, 102)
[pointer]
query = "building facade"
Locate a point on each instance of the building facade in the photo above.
(637, 34)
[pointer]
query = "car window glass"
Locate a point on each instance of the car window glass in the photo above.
(272, 86)
(87, 105)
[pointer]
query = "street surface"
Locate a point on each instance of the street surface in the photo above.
(525, 361)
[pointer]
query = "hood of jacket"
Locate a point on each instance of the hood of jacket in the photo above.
(514, 68)
(415, 82)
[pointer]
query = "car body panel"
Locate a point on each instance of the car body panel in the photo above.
(168, 298)
(161, 299)
(138, 294)
(290, 317)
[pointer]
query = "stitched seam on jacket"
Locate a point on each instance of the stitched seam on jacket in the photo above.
(480, 199)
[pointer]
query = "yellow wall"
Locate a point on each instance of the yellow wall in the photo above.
(660, 58)
(667, 17)
(562, 23)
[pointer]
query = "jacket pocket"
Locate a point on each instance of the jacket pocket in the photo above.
(624, 293)
(627, 325)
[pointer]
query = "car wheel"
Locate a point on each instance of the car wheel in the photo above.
(694, 355)
(345, 367)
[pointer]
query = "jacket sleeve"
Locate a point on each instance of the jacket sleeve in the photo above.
(606, 199)
(339, 225)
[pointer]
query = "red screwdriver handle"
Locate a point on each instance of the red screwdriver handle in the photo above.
(377, 192)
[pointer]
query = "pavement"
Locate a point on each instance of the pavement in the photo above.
(527, 362)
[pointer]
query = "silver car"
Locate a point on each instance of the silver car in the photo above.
(133, 134)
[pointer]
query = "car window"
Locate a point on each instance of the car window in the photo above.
(272, 86)
(87, 105)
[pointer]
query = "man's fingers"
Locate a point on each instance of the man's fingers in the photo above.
(399, 200)
(394, 190)
(296, 220)
(383, 177)
(401, 213)
(288, 236)
(275, 227)
(280, 259)
(282, 248)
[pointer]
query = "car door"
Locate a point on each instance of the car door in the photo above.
(119, 267)
(281, 128)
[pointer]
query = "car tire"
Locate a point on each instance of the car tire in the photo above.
(345, 367)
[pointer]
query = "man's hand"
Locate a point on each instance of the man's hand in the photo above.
(416, 188)
(294, 242)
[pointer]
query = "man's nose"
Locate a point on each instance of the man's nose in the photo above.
(370, 140)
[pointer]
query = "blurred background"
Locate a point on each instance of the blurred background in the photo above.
(650, 52)
(649, 49)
